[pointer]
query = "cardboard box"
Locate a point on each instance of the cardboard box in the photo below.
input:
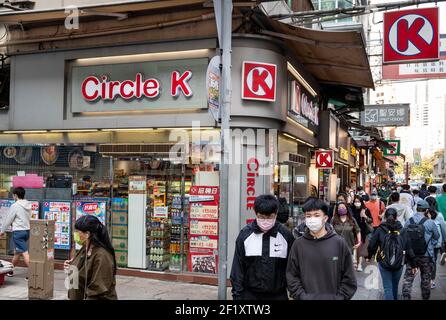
(41, 240)
(121, 258)
(4, 237)
(41, 280)
(120, 244)
(3, 244)
(119, 218)
(119, 231)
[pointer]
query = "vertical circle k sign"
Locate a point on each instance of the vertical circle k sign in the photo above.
(259, 81)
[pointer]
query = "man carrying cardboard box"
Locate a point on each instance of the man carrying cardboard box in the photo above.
(19, 216)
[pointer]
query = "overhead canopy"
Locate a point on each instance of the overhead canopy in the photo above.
(31, 16)
(336, 57)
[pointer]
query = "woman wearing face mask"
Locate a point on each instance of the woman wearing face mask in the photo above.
(347, 227)
(95, 261)
(364, 219)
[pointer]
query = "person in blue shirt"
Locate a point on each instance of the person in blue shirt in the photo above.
(423, 261)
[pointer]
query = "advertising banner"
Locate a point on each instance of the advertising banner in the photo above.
(4, 211)
(60, 212)
(203, 229)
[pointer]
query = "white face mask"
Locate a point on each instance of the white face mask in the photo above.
(358, 204)
(315, 224)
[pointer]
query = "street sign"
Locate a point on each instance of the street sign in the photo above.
(390, 152)
(411, 35)
(259, 81)
(386, 115)
(324, 159)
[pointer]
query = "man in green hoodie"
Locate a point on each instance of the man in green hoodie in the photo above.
(441, 201)
(320, 265)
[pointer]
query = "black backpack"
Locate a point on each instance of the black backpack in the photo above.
(416, 233)
(392, 250)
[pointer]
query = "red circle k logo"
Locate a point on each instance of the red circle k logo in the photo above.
(259, 81)
(411, 35)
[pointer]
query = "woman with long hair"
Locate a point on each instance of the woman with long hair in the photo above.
(364, 219)
(94, 264)
(347, 227)
(390, 267)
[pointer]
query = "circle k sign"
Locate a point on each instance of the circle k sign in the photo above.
(324, 159)
(411, 35)
(259, 81)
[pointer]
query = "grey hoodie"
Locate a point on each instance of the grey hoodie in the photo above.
(321, 269)
(19, 216)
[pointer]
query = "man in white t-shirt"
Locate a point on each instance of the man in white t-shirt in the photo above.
(406, 197)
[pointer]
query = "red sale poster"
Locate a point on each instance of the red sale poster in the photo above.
(203, 229)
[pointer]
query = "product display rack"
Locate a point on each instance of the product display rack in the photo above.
(120, 230)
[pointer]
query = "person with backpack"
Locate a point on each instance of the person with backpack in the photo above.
(391, 246)
(261, 255)
(403, 211)
(423, 235)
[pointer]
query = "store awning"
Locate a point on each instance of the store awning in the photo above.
(32, 16)
(335, 57)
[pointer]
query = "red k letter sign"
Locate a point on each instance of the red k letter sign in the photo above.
(259, 81)
(324, 159)
(411, 35)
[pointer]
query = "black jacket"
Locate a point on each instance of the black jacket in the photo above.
(255, 267)
(377, 240)
(321, 269)
(362, 222)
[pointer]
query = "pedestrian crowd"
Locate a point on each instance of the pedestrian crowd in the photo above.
(402, 230)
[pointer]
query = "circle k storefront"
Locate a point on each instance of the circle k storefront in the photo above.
(132, 140)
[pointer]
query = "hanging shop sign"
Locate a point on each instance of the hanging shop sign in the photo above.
(259, 81)
(411, 35)
(353, 151)
(417, 70)
(324, 159)
(302, 107)
(212, 86)
(386, 115)
(150, 85)
(393, 152)
(343, 153)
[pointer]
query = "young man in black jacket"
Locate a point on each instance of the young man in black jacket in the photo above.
(320, 266)
(261, 255)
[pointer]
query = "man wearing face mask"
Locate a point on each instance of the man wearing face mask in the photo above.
(261, 255)
(320, 265)
(376, 208)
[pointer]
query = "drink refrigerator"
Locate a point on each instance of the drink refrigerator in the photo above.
(137, 246)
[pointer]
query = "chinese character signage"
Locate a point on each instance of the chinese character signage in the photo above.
(343, 153)
(393, 152)
(60, 212)
(386, 115)
(417, 70)
(203, 229)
